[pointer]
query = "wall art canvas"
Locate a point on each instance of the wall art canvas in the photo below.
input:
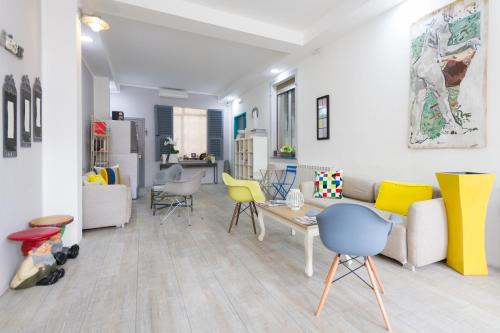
(25, 112)
(448, 77)
(9, 117)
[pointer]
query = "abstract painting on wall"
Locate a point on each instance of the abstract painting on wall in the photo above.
(448, 77)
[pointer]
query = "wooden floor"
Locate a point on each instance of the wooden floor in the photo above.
(176, 278)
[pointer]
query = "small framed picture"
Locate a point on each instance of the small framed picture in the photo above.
(323, 117)
(9, 117)
(37, 110)
(25, 107)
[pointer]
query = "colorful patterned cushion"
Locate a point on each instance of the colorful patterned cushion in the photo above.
(111, 174)
(328, 184)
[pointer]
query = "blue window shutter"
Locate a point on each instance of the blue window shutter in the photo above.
(164, 128)
(215, 133)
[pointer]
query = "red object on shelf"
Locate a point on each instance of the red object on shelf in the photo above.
(99, 127)
(33, 237)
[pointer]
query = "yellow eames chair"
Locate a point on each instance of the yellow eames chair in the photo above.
(243, 192)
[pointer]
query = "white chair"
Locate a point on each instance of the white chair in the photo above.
(162, 177)
(181, 194)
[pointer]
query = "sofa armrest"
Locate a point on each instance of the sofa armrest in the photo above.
(125, 180)
(105, 205)
(427, 232)
(307, 189)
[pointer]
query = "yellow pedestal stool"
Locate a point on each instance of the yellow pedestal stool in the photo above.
(243, 192)
(466, 198)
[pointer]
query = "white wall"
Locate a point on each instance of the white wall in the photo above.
(21, 186)
(62, 114)
(101, 98)
(140, 102)
(87, 113)
(366, 73)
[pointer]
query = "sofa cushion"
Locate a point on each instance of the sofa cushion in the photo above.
(397, 197)
(110, 174)
(323, 203)
(328, 184)
(358, 188)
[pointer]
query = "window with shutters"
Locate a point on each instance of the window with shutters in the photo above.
(194, 130)
(215, 133)
(163, 129)
(190, 130)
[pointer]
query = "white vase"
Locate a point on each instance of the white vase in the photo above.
(163, 158)
(295, 199)
(173, 158)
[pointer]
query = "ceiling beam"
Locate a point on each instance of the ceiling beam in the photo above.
(186, 16)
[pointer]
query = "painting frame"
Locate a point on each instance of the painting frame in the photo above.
(448, 58)
(323, 117)
(25, 107)
(37, 110)
(9, 94)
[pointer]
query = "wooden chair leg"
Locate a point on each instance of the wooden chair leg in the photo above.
(151, 199)
(375, 274)
(233, 218)
(253, 220)
(255, 209)
(328, 283)
(238, 215)
(378, 296)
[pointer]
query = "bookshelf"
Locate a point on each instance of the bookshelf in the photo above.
(250, 156)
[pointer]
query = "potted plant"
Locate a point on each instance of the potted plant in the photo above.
(287, 151)
(173, 153)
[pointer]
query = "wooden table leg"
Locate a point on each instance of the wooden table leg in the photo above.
(308, 247)
(262, 227)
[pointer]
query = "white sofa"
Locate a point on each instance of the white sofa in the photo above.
(423, 237)
(107, 205)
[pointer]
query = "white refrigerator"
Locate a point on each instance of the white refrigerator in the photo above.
(123, 150)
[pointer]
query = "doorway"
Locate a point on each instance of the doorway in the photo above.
(140, 129)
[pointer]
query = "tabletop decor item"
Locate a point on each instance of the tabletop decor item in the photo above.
(25, 112)
(287, 151)
(323, 118)
(295, 199)
(466, 196)
(9, 117)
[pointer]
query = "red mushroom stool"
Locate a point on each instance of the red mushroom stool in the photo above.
(58, 221)
(34, 237)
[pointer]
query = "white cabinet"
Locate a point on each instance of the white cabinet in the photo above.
(250, 156)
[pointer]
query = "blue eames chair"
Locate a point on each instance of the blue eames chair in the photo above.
(356, 231)
(283, 187)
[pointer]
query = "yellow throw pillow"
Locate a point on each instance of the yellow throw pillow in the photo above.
(96, 179)
(397, 197)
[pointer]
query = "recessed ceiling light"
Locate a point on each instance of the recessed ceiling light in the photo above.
(275, 71)
(86, 39)
(95, 22)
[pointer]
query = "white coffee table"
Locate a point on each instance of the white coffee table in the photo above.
(286, 216)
